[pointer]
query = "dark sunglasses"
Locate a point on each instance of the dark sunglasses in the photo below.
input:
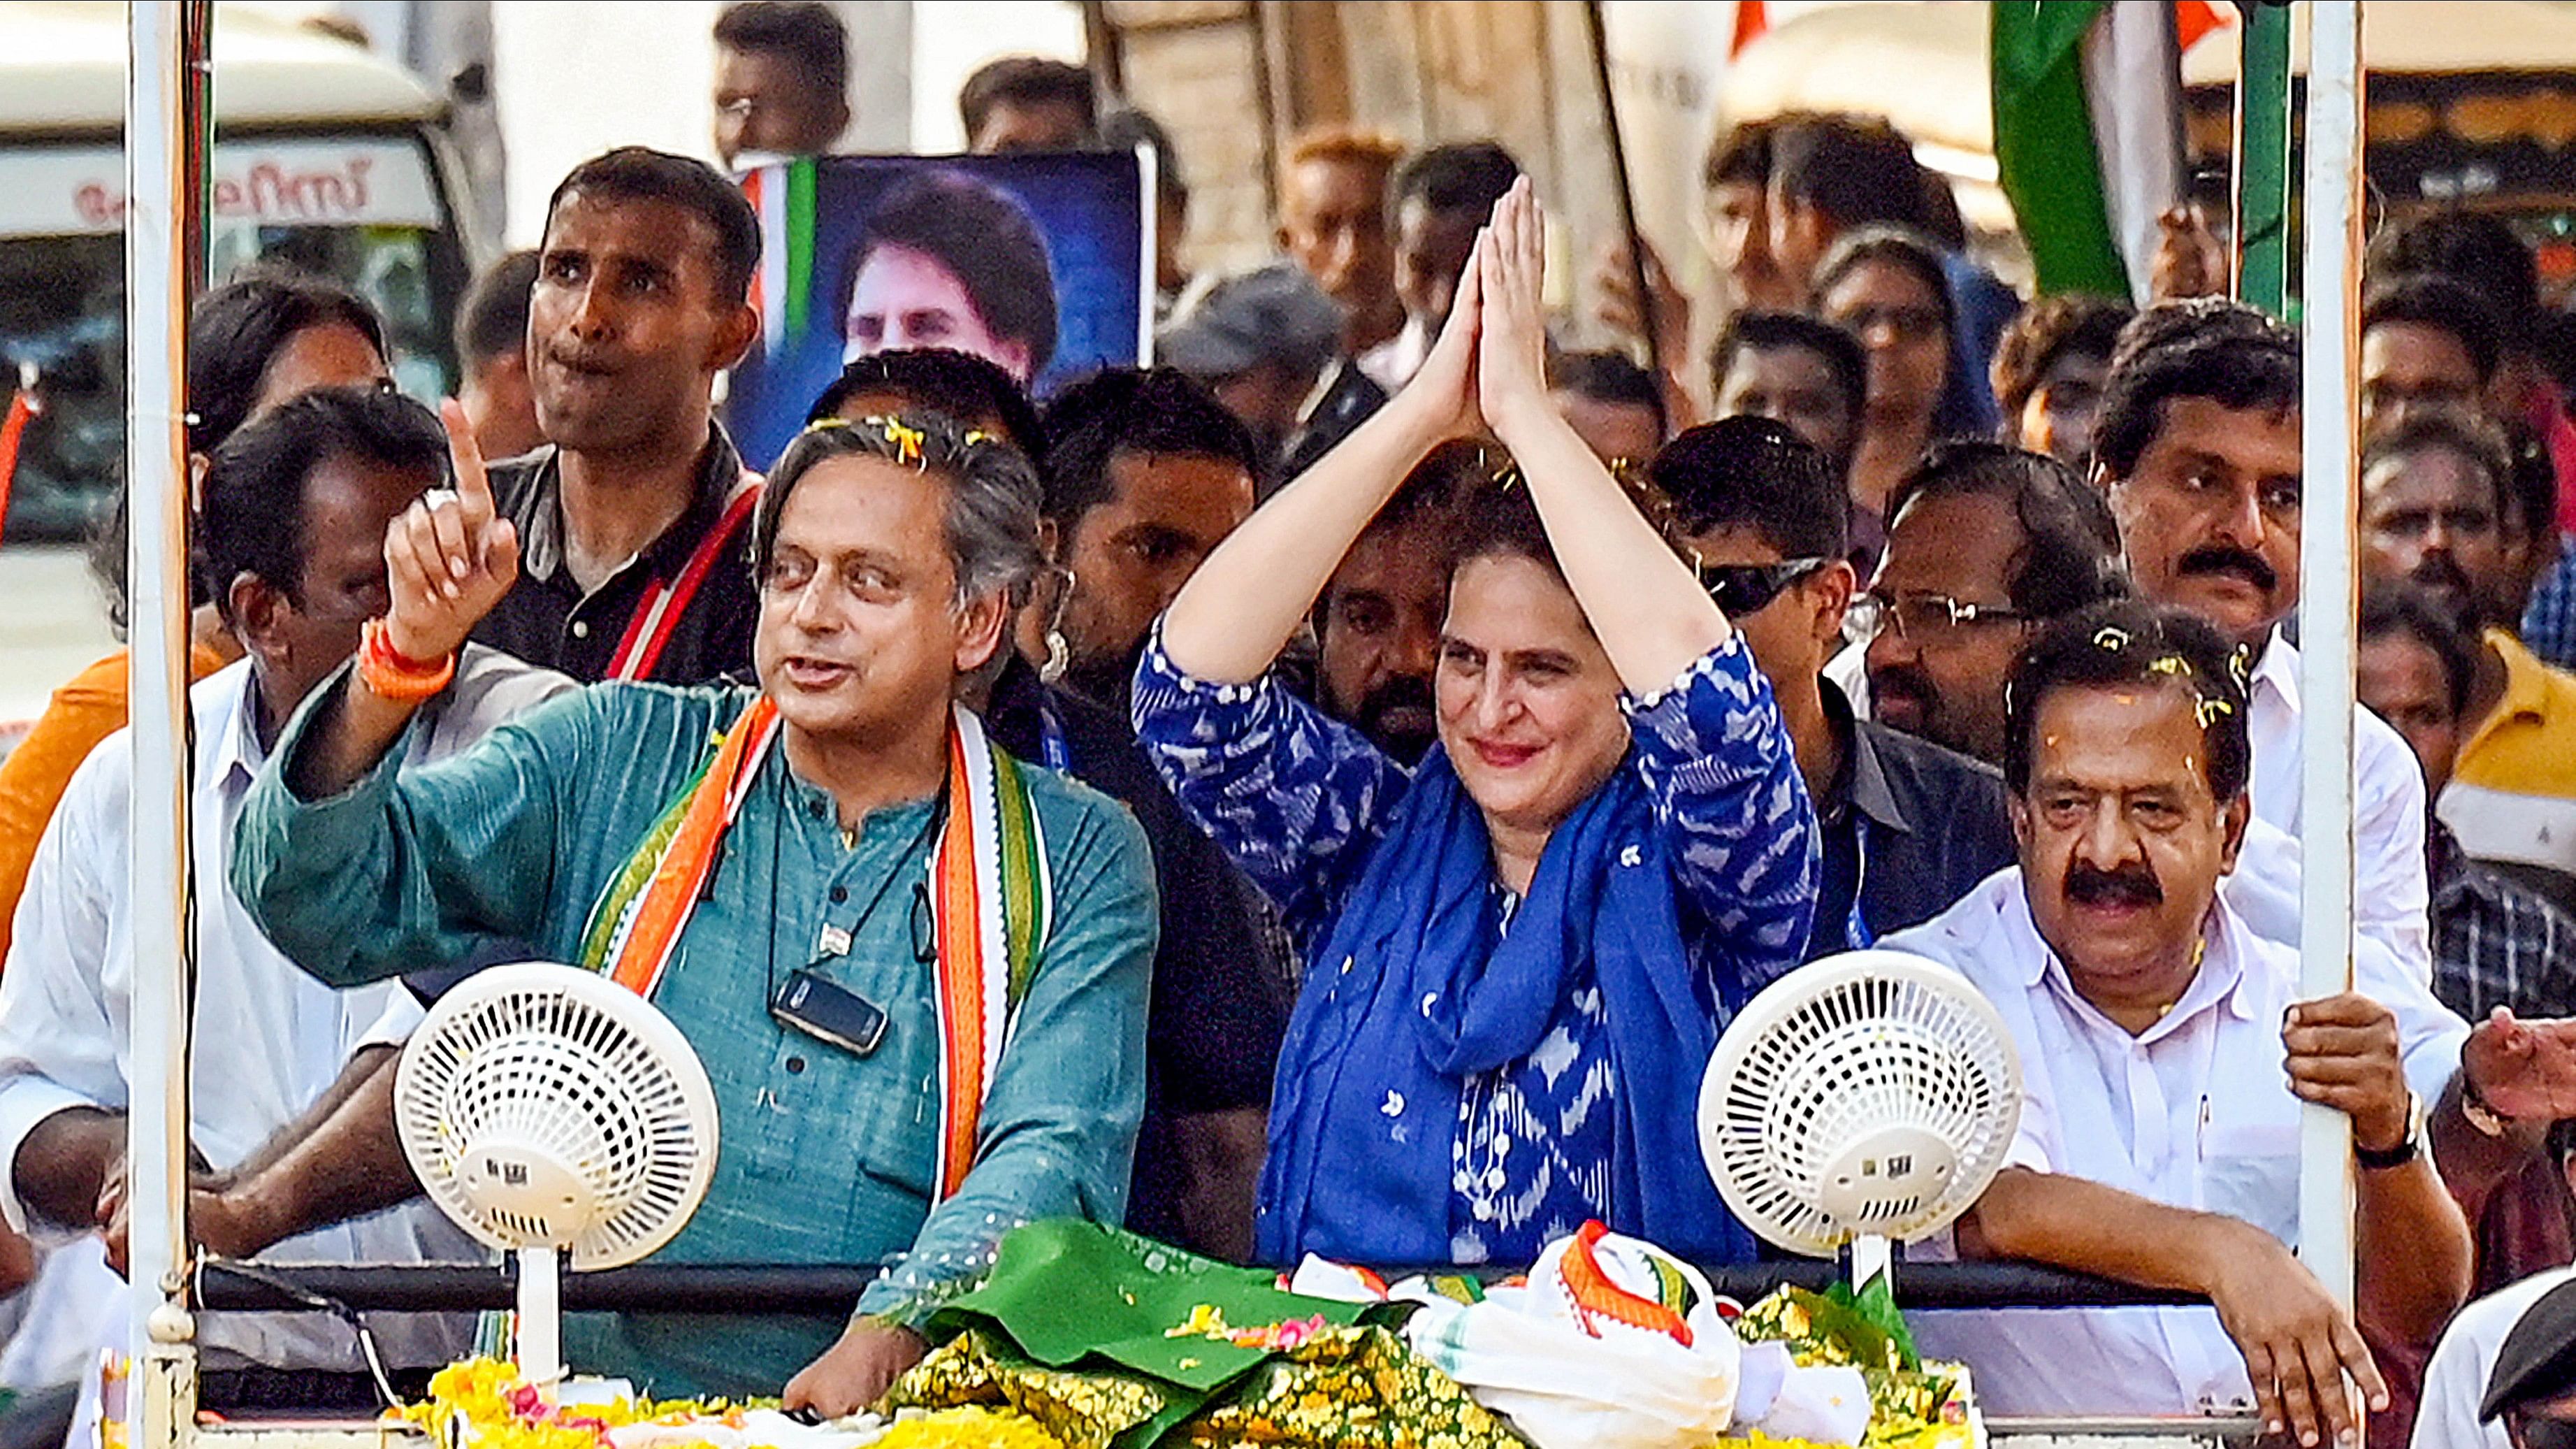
(1741, 589)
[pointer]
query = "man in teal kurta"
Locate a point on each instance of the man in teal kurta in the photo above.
(884, 581)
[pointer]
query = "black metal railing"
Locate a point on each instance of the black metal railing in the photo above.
(782, 1290)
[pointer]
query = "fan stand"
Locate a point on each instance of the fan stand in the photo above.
(540, 1336)
(1872, 1256)
(554, 1115)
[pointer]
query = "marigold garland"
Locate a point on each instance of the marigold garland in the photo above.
(481, 1403)
(968, 1428)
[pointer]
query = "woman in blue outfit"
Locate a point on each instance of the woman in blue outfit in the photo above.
(1524, 947)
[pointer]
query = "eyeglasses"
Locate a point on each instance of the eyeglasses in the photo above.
(1741, 589)
(1918, 616)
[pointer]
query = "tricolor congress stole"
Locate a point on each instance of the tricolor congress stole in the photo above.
(991, 904)
(664, 601)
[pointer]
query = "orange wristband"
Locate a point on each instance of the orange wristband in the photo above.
(391, 675)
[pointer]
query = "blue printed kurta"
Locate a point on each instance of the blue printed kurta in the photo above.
(1302, 802)
(826, 1156)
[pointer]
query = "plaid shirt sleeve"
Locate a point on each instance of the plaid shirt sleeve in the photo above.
(2549, 622)
(2496, 942)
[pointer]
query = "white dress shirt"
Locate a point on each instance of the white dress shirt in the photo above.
(2390, 891)
(268, 1039)
(2446, 1412)
(2392, 934)
(1392, 363)
(2195, 1113)
(2264, 894)
(1849, 669)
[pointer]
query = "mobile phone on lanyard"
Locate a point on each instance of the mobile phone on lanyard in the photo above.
(829, 1012)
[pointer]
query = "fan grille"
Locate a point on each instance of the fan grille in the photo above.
(544, 1106)
(1872, 1092)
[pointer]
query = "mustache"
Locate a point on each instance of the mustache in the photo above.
(2220, 559)
(1906, 680)
(1402, 692)
(1409, 744)
(2130, 885)
(2441, 572)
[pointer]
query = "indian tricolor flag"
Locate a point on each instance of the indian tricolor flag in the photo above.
(2088, 130)
(782, 196)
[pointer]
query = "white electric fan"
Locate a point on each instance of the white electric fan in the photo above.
(1862, 1098)
(549, 1111)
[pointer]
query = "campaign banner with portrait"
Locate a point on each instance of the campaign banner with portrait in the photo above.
(1042, 263)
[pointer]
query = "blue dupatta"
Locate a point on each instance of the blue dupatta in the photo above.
(1416, 988)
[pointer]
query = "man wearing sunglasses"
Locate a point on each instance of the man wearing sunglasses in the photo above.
(1909, 827)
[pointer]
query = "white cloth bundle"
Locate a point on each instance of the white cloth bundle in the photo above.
(1614, 1344)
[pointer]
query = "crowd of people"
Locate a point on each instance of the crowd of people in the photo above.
(1327, 793)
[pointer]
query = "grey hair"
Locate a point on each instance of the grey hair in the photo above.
(992, 524)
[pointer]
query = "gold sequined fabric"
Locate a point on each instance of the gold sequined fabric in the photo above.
(1357, 1387)
(1346, 1388)
(1083, 1410)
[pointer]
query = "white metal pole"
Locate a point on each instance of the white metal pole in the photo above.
(157, 847)
(1149, 273)
(2330, 288)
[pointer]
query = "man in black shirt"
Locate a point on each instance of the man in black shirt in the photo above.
(1909, 827)
(1145, 471)
(1377, 625)
(633, 522)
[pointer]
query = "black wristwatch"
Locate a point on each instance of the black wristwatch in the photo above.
(2404, 1152)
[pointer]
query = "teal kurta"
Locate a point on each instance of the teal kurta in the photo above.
(826, 1157)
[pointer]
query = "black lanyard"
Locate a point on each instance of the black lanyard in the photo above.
(923, 950)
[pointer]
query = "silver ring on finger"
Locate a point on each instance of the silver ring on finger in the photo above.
(437, 498)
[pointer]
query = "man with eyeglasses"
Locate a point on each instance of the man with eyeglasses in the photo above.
(880, 1107)
(1986, 544)
(1909, 827)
